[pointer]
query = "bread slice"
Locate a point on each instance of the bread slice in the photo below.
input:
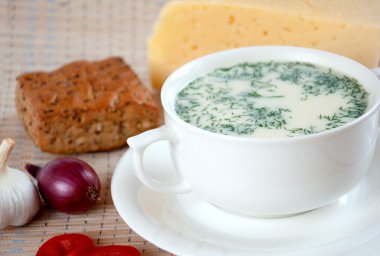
(85, 106)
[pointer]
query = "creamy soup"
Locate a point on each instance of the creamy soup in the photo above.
(271, 99)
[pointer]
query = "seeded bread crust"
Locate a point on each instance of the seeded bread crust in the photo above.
(85, 106)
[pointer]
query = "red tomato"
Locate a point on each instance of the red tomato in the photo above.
(115, 250)
(82, 245)
(65, 245)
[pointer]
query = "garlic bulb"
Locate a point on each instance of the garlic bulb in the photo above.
(19, 197)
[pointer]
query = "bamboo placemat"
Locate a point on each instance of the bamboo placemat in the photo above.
(43, 35)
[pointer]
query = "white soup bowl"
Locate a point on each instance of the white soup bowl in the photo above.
(263, 176)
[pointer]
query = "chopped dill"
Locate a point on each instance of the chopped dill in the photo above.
(240, 99)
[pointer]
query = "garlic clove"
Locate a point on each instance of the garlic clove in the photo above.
(19, 197)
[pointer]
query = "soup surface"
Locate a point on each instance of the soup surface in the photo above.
(271, 99)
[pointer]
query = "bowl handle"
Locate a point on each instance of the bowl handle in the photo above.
(137, 146)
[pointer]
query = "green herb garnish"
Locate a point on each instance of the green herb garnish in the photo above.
(215, 102)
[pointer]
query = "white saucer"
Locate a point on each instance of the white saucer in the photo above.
(184, 225)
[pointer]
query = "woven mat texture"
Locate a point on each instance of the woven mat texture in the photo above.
(43, 35)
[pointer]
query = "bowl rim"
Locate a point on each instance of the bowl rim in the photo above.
(168, 89)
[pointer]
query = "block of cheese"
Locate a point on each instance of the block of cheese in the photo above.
(188, 29)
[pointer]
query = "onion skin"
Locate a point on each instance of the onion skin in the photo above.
(67, 184)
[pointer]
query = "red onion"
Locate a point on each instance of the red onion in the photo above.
(67, 184)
